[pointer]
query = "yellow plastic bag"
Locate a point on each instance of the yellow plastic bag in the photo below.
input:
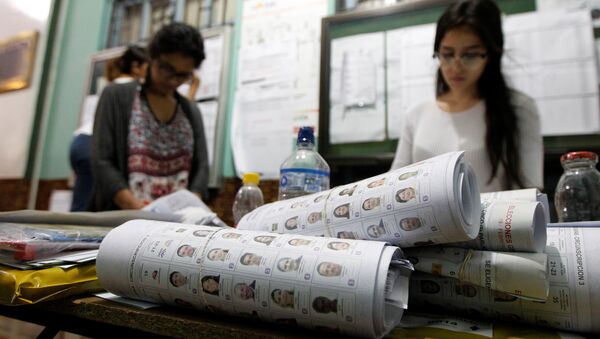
(22, 287)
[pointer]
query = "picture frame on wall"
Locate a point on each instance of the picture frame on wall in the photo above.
(17, 57)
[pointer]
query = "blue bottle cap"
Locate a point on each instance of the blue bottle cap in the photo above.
(305, 135)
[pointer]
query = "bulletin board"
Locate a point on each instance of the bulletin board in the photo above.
(370, 23)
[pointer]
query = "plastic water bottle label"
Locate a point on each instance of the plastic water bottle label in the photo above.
(304, 179)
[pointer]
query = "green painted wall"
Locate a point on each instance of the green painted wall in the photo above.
(85, 31)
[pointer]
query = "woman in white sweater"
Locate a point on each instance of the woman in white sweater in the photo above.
(474, 109)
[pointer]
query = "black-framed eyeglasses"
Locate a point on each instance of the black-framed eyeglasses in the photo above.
(168, 71)
(467, 60)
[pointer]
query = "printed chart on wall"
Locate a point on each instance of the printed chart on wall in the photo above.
(277, 81)
(556, 49)
(357, 93)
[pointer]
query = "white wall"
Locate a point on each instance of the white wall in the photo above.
(17, 108)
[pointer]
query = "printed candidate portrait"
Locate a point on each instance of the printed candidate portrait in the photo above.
(314, 217)
(298, 204)
(291, 223)
(346, 235)
(504, 297)
(231, 235)
(466, 290)
(406, 194)
(217, 254)
(320, 198)
(299, 242)
(410, 223)
(264, 239)
(210, 284)
(371, 203)
(429, 287)
(338, 245)
(283, 298)
(324, 305)
(181, 302)
(244, 291)
(424, 243)
(347, 191)
(376, 183)
(329, 269)
(186, 251)
(376, 230)
(289, 264)
(202, 233)
(250, 259)
(407, 175)
(177, 279)
(342, 211)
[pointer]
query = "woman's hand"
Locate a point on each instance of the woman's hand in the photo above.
(125, 200)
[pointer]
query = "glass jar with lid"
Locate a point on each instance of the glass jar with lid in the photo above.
(577, 196)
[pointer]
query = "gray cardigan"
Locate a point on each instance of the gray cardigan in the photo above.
(110, 145)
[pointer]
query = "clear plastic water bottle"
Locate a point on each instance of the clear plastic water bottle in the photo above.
(305, 171)
(248, 197)
(577, 196)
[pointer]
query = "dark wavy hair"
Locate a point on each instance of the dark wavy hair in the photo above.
(502, 131)
(178, 38)
(132, 54)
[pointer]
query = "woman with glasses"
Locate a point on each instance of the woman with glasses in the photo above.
(149, 140)
(474, 110)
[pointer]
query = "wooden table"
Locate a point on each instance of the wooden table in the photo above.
(95, 317)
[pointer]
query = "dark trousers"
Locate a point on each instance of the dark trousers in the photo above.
(79, 154)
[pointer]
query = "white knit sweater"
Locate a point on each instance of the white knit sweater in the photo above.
(428, 131)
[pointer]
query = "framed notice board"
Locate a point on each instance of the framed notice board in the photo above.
(380, 151)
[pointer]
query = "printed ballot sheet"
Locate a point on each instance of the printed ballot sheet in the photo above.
(434, 201)
(573, 294)
(350, 287)
(523, 275)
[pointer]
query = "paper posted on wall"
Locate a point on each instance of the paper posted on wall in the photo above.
(434, 201)
(512, 221)
(573, 274)
(519, 274)
(190, 208)
(350, 287)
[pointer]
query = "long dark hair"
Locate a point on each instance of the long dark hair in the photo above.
(132, 54)
(502, 131)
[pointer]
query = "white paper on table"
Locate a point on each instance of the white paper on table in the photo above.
(143, 305)
(410, 72)
(357, 85)
(354, 287)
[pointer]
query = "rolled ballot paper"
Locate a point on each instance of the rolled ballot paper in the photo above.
(434, 201)
(523, 275)
(527, 194)
(512, 221)
(347, 286)
(573, 275)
